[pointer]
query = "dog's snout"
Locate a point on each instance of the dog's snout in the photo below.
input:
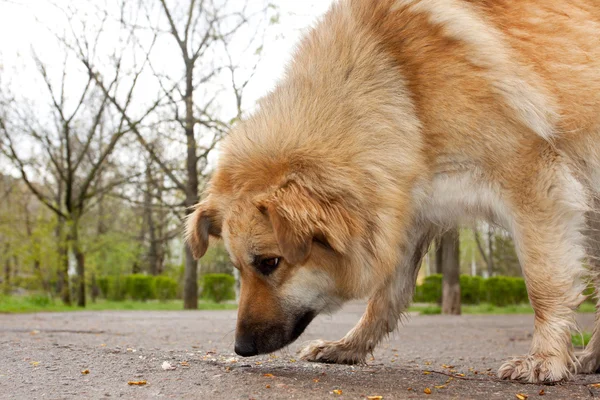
(245, 346)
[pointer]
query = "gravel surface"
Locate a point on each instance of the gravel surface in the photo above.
(44, 356)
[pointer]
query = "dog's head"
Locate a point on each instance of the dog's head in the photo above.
(312, 194)
(291, 246)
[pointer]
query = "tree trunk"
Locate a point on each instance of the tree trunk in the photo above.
(190, 289)
(490, 252)
(439, 257)
(153, 258)
(450, 251)
(63, 272)
(6, 288)
(80, 258)
(80, 261)
(160, 259)
(63, 252)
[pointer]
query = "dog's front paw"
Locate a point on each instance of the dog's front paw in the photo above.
(536, 369)
(589, 363)
(337, 352)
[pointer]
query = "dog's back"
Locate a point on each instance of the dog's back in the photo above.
(535, 61)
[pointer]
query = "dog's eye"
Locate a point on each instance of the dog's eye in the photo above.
(267, 265)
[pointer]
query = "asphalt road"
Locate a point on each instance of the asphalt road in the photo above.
(43, 356)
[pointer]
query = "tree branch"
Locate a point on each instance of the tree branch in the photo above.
(133, 125)
(21, 166)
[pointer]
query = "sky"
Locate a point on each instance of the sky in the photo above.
(27, 25)
(297, 16)
(24, 25)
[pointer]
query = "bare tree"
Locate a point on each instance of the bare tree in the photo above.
(449, 253)
(205, 33)
(439, 256)
(68, 150)
(7, 269)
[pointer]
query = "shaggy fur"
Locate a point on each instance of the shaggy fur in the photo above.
(397, 118)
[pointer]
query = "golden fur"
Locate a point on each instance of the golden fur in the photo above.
(397, 118)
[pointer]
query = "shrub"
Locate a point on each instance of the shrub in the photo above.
(499, 290)
(431, 290)
(164, 288)
(505, 290)
(104, 285)
(117, 290)
(112, 288)
(139, 287)
(471, 288)
(519, 291)
(218, 287)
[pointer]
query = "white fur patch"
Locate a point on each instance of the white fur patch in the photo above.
(574, 198)
(520, 87)
(462, 195)
(311, 289)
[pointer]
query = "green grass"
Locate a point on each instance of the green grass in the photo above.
(485, 308)
(29, 304)
(36, 303)
(581, 340)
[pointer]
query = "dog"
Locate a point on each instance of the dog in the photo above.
(397, 119)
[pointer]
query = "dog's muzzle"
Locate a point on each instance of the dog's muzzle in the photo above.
(252, 339)
(245, 346)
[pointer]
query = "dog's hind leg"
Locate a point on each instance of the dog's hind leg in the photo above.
(589, 359)
(549, 219)
(383, 311)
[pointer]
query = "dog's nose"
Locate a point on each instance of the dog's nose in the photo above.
(245, 346)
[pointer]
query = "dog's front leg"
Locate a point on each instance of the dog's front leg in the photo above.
(548, 222)
(383, 311)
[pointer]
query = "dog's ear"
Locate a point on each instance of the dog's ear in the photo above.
(205, 221)
(299, 217)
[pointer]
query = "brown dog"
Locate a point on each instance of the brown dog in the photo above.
(394, 119)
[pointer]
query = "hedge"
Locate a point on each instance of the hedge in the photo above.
(218, 287)
(104, 285)
(214, 287)
(498, 290)
(112, 287)
(430, 291)
(165, 288)
(472, 289)
(504, 290)
(137, 287)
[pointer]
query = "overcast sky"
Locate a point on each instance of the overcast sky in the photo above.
(25, 23)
